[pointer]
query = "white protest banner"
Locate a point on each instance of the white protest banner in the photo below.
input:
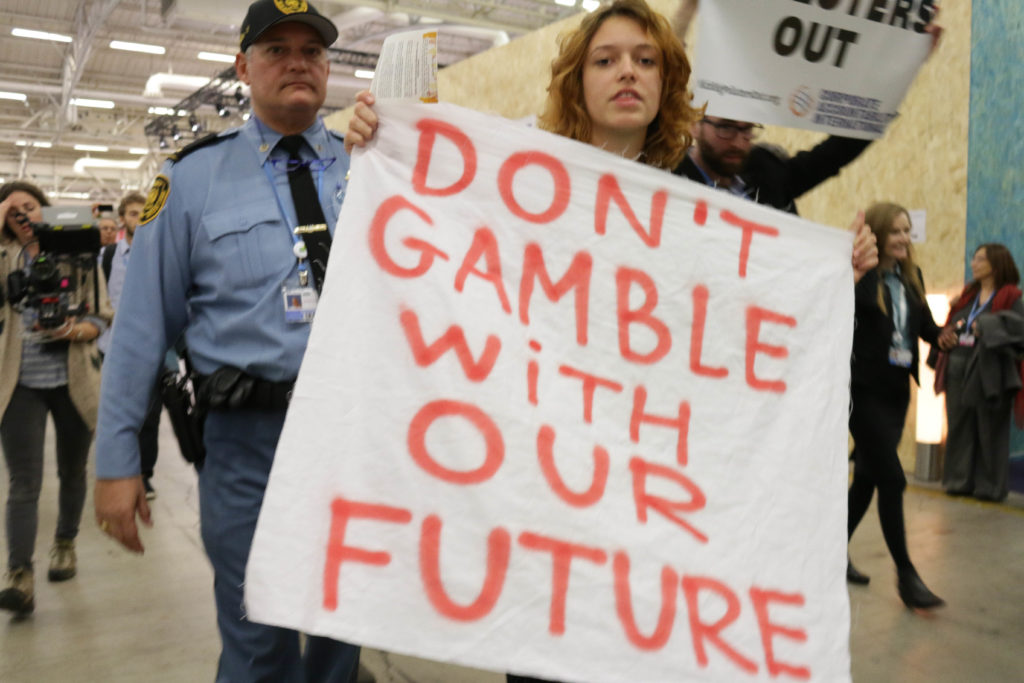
(837, 66)
(567, 415)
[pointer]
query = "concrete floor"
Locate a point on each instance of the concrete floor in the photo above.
(151, 618)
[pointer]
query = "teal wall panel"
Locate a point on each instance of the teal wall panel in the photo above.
(995, 166)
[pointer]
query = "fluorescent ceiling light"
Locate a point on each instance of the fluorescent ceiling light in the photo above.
(363, 73)
(96, 104)
(590, 5)
(167, 111)
(216, 57)
(92, 148)
(40, 35)
(137, 47)
(71, 195)
(138, 150)
(566, 3)
(37, 143)
(85, 162)
(4, 95)
(155, 84)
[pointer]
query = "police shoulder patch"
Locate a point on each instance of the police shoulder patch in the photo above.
(156, 199)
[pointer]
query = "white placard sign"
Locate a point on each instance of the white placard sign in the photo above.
(565, 415)
(837, 66)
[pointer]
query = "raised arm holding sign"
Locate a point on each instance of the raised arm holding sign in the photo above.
(724, 154)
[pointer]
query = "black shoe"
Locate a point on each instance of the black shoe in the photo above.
(855, 576)
(914, 593)
(150, 491)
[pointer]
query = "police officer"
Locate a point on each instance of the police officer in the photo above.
(231, 250)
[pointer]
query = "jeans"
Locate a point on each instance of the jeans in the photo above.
(22, 431)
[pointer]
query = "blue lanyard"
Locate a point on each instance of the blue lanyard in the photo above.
(296, 239)
(976, 310)
(738, 187)
(899, 308)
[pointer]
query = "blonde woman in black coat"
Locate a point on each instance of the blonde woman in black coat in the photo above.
(892, 314)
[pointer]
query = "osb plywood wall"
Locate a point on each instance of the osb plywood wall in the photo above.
(921, 162)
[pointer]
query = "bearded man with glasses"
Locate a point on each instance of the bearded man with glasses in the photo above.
(725, 155)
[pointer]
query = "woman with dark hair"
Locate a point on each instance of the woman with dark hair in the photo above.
(891, 315)
(51, 371)
(982, 374)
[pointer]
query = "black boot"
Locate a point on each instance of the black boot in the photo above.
(853, 575)
(914, 593)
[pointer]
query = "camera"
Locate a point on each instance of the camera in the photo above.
(52, 283)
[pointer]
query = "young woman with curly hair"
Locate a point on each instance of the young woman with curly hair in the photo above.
(619, 82)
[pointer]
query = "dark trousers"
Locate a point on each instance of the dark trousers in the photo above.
(149, 435)
(876, 423)
(22, 432)
(978, 445)
(240, 449)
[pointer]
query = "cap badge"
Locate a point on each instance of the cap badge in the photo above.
(291, 6)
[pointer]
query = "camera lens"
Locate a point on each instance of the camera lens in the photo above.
(44, 276)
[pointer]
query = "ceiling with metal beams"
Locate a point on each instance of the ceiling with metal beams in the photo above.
(53, 133)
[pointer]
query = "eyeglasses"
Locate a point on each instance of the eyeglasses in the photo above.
(289, 165)
(728, 131)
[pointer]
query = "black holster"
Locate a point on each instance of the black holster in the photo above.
(178, 394)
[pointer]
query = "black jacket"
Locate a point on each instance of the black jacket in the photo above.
(873, 330)
(776, 181)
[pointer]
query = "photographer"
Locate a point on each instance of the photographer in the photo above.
(46, 369)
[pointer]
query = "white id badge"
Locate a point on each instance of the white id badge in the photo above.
(901, 358)
(966, 339)
(299, 303)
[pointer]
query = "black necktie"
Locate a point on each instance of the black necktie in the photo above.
(307, 209)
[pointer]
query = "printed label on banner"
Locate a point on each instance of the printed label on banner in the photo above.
(840, 68)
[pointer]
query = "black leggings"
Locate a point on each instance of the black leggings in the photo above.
(876, 423)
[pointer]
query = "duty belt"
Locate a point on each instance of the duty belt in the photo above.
(233, 389)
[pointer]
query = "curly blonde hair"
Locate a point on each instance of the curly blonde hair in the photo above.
(565, 113)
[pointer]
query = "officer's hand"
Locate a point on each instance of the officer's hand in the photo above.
(865, 248)
(117, 501)
(363, 124)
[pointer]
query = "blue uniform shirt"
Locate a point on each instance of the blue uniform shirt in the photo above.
(211, 263)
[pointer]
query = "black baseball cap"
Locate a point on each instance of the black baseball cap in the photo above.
(263, 14)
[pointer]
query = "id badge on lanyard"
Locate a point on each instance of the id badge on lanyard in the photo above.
(298, 293)
(901, 358)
